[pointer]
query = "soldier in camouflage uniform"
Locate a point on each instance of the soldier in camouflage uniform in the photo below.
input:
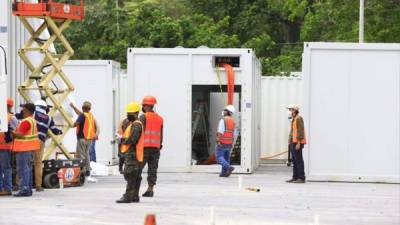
(132, 150)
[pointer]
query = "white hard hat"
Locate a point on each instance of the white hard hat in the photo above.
(294, 106)
(41, 103)
(230, 108)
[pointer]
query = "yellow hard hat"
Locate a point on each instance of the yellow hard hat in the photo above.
(133, 107)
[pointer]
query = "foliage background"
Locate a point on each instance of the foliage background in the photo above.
(276, 29)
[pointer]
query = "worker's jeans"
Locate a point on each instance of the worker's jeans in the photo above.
(24, 171)
(223, 154)
(298, 162)
(5, 170)
(92, 151)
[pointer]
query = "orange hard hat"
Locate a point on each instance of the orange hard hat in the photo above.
(149, 100)
(10, 102)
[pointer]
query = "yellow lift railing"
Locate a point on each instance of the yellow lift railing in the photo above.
(42, 76)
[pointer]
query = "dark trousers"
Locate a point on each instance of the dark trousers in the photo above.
(132, 175)
(24, 170)
(151, 157)
(298, 162)
(5, 171)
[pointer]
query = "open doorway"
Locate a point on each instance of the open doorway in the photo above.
(208, 101)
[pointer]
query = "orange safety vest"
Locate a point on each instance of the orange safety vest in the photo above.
(228, 135)
(296, 133)
(29, 142)
(152, 133)
(3, 144)
(140, 144)
(89, 127)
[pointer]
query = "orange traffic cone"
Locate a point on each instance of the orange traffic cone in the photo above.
(150, 220)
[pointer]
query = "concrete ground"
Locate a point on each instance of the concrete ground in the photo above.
(188, 199)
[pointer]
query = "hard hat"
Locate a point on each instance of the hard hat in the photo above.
(10, 102)
(230, 108)
(41, 103)
(294, 106)
(149, 100)
(133, 107)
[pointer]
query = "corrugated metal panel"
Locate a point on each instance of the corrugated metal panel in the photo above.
(277, 94)
(16, 37)
(123, 93)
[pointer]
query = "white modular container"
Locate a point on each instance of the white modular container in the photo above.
(353, 111)
(123, 93)
(277, 93)
(173, 75)
(97, 81)
(12, 37)
(3, 91)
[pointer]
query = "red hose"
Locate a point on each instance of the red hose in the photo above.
(231, 82)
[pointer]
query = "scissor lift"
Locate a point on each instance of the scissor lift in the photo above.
(56, 16)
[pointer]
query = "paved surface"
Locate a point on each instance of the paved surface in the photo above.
(187, 199)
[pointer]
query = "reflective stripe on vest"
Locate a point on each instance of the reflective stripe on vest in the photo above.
(140, 144)
(3, 144)
(295, 133)
(29, 142)
(152, 134)
(89, 127)
(228, 135)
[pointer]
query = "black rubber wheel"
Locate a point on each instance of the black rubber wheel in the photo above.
(51, 180)
(82, 179)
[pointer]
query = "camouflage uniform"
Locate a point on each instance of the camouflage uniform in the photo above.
(132, 168)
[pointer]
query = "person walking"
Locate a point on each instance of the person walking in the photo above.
(153, 137)
(225, 138)
(86, 132)
(297, 140)
(26, 142)
(6, 144)
(132, 147)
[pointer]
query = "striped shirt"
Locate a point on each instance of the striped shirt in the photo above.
(44, 123)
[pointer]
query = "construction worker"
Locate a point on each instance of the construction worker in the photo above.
(26, 142)
(225, 138)
(153, 138)
(92, 148)
(44, 123)
(86, 132)
(297, 140)
(6, 144)
(132, 144)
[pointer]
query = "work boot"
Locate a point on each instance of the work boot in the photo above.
(230, 170)
(5, 193)
(299, 181)
(22, 194)
(149, 193)
(124, 199)
(290, 181)
(39, 189)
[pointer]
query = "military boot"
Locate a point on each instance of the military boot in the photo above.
(149, 193)
(125, 199)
